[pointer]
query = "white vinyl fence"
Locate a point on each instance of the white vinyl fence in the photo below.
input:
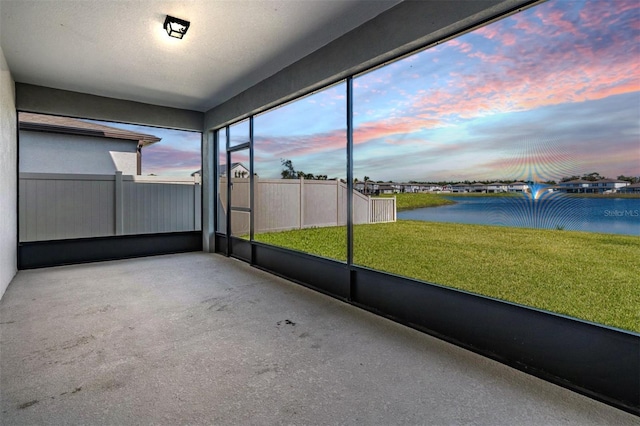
(283, 204)
(62, 206)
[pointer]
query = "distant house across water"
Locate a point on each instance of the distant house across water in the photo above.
(630, 189)
(602, 186)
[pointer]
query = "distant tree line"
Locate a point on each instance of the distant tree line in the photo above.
(592, 177)
(289, 172)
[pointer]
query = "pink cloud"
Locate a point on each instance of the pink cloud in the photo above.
(537, 59)
(462, 46)
(391, 127)
(295, 146)
(557, 65)
(163, 159)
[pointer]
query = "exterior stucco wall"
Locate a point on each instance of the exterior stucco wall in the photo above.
(42, 152)
(8, 178)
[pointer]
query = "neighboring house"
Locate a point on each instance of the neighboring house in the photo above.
(497, 187)
(518, 187)
(420, 187)
(581, 186)
(385, 188)
(634, 188)
(575, 186)
(604, 186)
(409, 187)
(369, 187)
(238, 170)
(478, 187)
(52, 144)
(460, 187)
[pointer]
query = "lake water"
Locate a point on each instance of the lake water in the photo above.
(608, 215)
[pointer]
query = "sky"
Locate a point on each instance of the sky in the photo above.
(176, 154)
(550, 92)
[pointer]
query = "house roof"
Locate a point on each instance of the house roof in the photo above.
(233, 166)
(56, 124)
(574, 181)
(610, 181)
(592, 181)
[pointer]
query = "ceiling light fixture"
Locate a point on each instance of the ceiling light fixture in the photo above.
(176, 27)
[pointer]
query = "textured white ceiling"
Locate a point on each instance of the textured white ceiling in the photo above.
(118, 48)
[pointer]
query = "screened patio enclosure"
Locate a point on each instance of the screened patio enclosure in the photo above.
(438, 94)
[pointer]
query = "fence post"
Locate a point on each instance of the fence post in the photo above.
(395, 210)
(301, 203)
(197, 203)
(119, 213)
(338, 200)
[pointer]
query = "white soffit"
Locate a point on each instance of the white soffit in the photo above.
(119, 49)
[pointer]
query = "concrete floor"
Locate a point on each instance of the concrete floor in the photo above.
(202, 339)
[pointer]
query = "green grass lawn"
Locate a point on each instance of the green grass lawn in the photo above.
(585, 275)
(408, 201)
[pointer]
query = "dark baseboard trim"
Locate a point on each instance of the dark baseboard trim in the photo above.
(41, 254)
(328, 276)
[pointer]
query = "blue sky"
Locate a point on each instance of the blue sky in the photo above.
(549, 92)
(177, 153)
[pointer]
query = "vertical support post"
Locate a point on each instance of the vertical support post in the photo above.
(119, 207)
(229, 187)
(209, 191)
(251, 187)
(301, 194)
(350, 173)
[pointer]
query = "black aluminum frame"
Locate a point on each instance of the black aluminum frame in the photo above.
(238, 247)
(598, 361)
(592, 359)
